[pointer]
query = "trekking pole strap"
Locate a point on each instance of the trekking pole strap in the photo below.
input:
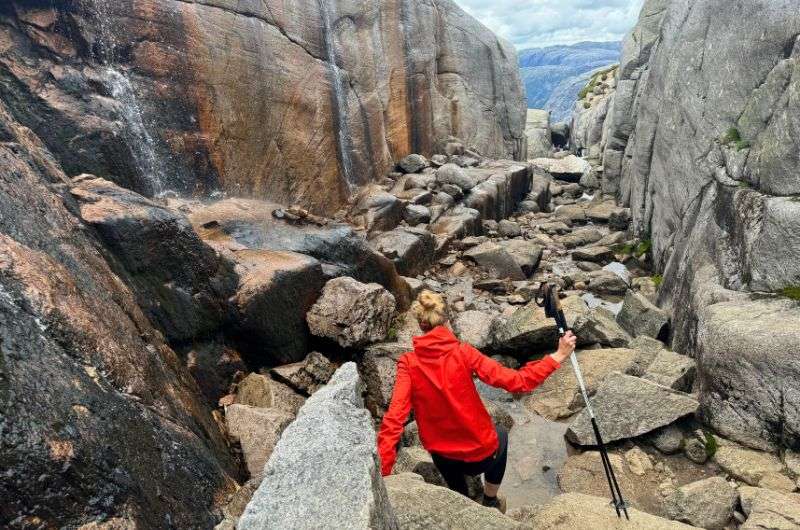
(579, 376)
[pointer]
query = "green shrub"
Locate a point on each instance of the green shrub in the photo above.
(731, 136)
(657, 280)
(711, 444)
(793, 292)
(586, 105)
(643, 248)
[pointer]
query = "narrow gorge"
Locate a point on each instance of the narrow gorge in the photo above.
(215, 215)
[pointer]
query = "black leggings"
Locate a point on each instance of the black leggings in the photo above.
(493, 467)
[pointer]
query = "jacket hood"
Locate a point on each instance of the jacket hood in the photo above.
(435, 343)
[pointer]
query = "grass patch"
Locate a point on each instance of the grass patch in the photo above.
(731, 136)
(643, 248)
(596, 78)
(792, 292)
(744, 184)
(586, 104)
(711, 444)
(657, 280)
(742, 144)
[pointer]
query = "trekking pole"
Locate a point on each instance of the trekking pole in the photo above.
(548, 299)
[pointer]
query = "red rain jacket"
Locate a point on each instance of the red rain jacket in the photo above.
(436, 380)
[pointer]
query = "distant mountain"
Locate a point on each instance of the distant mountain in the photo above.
(554, 75)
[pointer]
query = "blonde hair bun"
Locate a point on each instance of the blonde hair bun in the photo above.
(430, 310)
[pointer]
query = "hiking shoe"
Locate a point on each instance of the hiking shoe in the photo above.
(495, 502)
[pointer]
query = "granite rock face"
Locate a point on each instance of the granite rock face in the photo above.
(324, 471)
(175, 94)
(93, 398)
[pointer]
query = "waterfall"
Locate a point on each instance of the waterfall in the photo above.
(338, 98)
(119, 85)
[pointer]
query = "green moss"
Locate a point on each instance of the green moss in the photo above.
(792, 292)
(657, 280)
(586, 104)
(742, 144)
(711, 444)
(731, 136)
(744, 184)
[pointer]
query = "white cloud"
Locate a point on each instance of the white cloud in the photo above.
(536, 23)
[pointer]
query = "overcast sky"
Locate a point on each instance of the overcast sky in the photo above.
(537, 23)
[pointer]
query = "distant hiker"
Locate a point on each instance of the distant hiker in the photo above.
(436, 381)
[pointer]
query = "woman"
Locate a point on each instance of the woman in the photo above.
(436, 381)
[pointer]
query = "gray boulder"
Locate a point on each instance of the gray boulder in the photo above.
(606, 282)
(668, 440)
(412, 250)
(417, 214)
(324, 471)
(496, 261)
(769, 509)
(508, 228)
(257, 390)
(381, 210)
(453, 174)
(413, 163)
(576, 511)
(570, 168)
(748, 372)
(421, 506)
(707, 503)
(257, 430)
(352, 313)
(537, 132)
(672, 370)
(580, 237)
(598, 326)
(627, 407)
(596, 254)
(475, 327)
(639, 316)
(525, 253)
(307, 375)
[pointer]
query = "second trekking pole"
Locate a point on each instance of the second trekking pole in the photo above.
(548, 299)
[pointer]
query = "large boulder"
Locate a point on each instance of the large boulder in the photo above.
(378, 209)
(257, 430)
(307, 375)
(452, 174)
(420, 506)
(276, 291)
(769, 509)
(475, 327)
(352, 313)
(528, 329)
(639, 316)
(672, 370)
(257, 390)
(413, 163)
(412, 250)
(537, 132)
(627, 407)
(559, 396)
(496, 260)
(324, 471)
(745, 464)
(570, 168)
(707, 503)
(748, 372)
(525, 253)
(181, 282)
(577, 511)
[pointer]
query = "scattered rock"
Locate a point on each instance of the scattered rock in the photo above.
(593, 254)
(307, 375)
(581, 237)
(606, 282)
(257, 430)
(639, 462)
(417, 214)
(413, 163)
(475, 327)
(640, 317)
(769, 509)
(598, 326)
(257, 390)
(668, 440)
(381, 210)
(495, 260)
(526, 254)
(412, 250)
(324, 471)
(745, 464)
(777, 482)
(570, 168)
(508, 228)
(695, 450)
(627, 407)
(420, 506)
(453, 174)
(707, 503)
(575, 511)
(352, 313)
(672, 370)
